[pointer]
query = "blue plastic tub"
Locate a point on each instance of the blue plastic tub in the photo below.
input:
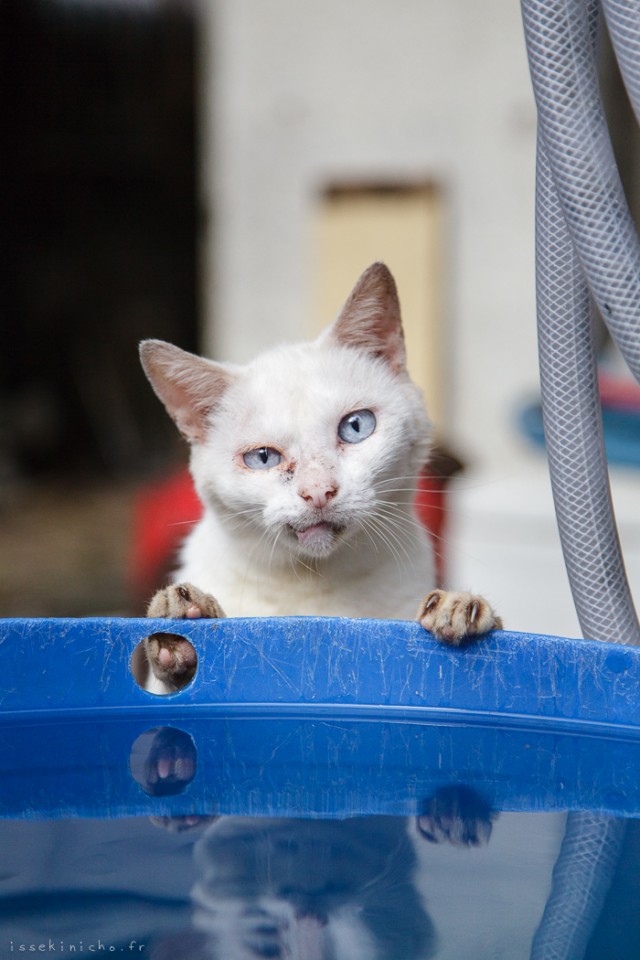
(302, 748)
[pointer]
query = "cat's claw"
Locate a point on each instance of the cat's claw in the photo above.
(172, 659)
(455, 617)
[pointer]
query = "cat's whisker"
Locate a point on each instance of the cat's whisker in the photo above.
(184, 523)
(243, 520)
(403, 509)
(310, 564)
(397, 515)
(273, 547)
(248, 512)
(408, 477)
(443, 508)
(267, 537)
(413, 492)
(393, 535)
(370, 535)
(370, 538)
(393, 511)
(398, 522)
(407, 481)
(460, 482)
(391, 541)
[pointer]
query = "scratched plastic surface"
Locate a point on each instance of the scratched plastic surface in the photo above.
(322, 790)
(81, 667)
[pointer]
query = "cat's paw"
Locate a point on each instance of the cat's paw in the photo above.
(183, 601)
(163, 761)
(171, 658)
(455, 617)
(457, 815)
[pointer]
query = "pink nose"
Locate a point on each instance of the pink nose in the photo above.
(318, 494)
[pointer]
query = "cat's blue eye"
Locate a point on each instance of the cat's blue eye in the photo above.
(262, 458)
(357, 426)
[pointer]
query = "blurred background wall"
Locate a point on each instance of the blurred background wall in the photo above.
(313, 98)
(99, 213)
(218, 174)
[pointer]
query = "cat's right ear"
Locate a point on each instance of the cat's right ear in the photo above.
(189, 386)
(370, 319)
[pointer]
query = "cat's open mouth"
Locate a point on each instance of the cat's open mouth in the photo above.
(318, 538)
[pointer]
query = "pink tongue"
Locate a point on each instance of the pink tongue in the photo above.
(310, 532)
(309, 934)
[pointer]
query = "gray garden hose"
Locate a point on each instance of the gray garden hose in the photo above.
(581, 879)
(623, 20)
(580, 202)
(560, 42)
(586, 244)
(573, 427)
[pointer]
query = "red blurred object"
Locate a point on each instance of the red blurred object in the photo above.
(431, 508)
(165, 512)
(619, 394)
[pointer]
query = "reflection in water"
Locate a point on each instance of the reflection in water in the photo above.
(456, 881)
(311, 889)
(581, 879)
(232, 887)
(163, 761)
(83, 881)
(456, 814)
(244, 888)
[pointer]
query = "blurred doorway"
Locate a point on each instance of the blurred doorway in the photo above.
(403, 225)
(99, 215)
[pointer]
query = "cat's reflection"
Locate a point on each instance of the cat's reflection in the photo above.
(321, 889)
(163, 761)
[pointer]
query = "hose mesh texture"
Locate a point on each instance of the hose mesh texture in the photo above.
(573, 427)
(583, 229)
(560, 42)
(581, 879)
(623, 20)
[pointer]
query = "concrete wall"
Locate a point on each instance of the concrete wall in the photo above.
(300, 95)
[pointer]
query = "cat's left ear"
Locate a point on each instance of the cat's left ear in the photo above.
(370, 319)
(190, 387)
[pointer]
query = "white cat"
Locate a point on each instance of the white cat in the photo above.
(306, 461)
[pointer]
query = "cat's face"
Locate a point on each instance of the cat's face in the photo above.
(310, 447)
(306, 445)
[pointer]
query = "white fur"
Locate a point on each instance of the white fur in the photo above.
(342, 937)
(244, 551)
(309, 920)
